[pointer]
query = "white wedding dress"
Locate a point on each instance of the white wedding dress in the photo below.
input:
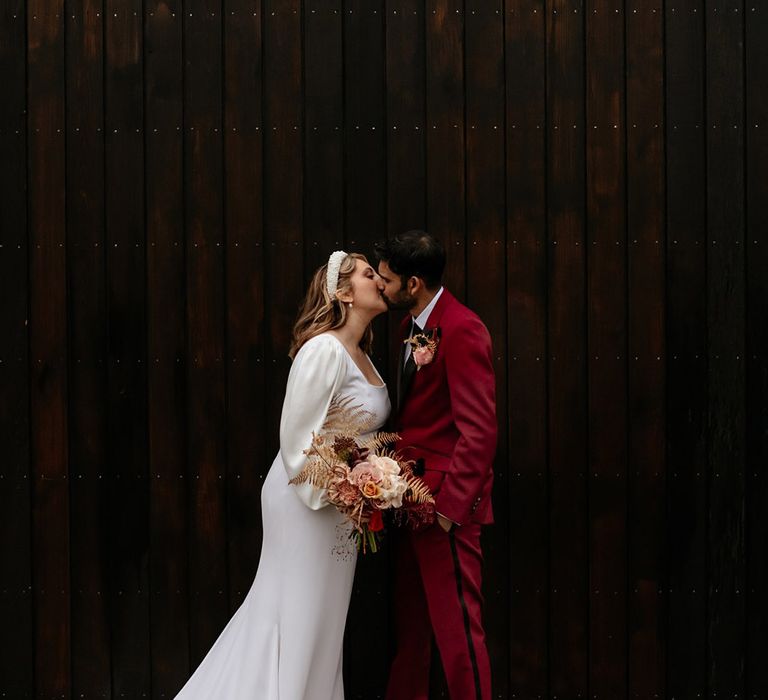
(285, 641)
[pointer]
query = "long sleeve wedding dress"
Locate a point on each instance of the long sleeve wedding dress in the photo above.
(284, 642)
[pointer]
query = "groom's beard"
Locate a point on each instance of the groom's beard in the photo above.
(402, 302)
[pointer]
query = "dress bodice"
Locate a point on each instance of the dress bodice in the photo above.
(370, 397)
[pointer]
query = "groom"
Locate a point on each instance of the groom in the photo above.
(446, 417)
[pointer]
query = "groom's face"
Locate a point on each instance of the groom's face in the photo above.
(396, 295)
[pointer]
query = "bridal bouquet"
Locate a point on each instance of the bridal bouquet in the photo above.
(362, 477)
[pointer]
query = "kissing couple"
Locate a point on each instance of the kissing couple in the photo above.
(284, 642)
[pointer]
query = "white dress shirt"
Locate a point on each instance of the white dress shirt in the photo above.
(421, 320)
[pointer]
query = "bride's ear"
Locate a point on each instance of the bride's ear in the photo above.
(344, 298)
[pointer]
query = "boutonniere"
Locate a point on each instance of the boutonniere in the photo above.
(424, 346)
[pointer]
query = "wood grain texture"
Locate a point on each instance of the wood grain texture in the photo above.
(726, 623)
(206, 322)
(686, 351)
(16, 605)
(126, 384)
(568, 626)
(47, 309)
(607, 344)
(525, 468)
(166, 349)
(646, 467)
(90, 636)
(247, 461)
(445, 121)
(756, 410)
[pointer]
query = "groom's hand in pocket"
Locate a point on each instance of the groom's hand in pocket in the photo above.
(444, 522)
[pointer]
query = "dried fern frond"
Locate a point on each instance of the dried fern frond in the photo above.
(339, 410)
(418, 491)
(379, 442)
(346, 418)
(315, 473)
(365, 421)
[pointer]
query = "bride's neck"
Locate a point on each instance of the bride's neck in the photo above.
(351, 333)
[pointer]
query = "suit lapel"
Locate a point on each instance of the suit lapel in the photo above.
(446, 298)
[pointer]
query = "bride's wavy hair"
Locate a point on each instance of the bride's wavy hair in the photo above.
(320, 313)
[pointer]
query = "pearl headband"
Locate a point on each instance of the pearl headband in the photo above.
(332, 274)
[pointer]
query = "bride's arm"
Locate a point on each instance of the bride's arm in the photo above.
(315, 376)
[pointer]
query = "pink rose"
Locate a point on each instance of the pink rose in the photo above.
(364, 472)
(423, 356)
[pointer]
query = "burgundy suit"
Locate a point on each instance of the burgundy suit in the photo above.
(447, 418)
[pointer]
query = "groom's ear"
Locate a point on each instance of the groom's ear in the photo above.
(414, 285)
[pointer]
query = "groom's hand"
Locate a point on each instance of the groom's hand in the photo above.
(444, 522)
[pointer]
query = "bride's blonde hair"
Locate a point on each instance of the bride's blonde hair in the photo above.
(320, 313)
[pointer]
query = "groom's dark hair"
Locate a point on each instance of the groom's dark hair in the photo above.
(414, 254)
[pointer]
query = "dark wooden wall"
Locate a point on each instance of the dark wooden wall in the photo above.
(171, 172)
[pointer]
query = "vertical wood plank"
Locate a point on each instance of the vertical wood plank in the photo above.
(726, 631)
(756, 244)
(247, 461)
(686, 351)
(16, 610)
(283, 196)
(48, 346)
(128, 497)
(166, 347)
(526, 357)
(446, 210)
(364, 119)
(91, 662)
(324, 129)
(405, 108)
(567, 353)
(607, 339)
(206, 341)
(646, 380)
(486, 282)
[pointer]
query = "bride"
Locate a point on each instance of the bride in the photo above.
(285, 641)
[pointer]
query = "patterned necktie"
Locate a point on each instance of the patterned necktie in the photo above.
(408, 371)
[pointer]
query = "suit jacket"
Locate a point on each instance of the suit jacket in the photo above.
(447, 413)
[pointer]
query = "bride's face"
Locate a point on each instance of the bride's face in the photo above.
(367, 289)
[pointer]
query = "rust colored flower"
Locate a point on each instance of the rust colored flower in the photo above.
(345, 493)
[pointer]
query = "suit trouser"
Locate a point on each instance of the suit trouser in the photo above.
(437, 589)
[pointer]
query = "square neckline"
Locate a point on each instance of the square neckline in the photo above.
(383, 384)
